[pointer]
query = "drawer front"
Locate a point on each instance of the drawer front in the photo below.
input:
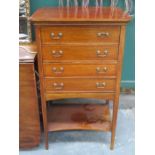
(61, 70)
(80, 84)
(80, 52)
(83, 34)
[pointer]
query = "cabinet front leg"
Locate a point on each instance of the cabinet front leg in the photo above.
(114, 121)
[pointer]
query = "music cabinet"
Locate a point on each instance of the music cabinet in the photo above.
(80, 53)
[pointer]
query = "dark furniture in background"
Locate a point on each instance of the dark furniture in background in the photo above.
(29, 122)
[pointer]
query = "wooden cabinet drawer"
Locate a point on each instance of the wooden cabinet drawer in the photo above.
(79, 84)
(82, 34)
(61, 70)
(87, 52)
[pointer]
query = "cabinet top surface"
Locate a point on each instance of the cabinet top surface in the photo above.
(27, 53)
(73, 14)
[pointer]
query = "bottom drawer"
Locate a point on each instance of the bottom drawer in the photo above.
(80, 84)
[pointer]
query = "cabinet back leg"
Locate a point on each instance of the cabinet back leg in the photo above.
(44, 112)
(107, 102)
(46, 140)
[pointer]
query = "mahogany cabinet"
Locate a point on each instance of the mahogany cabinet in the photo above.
(29, 122)
(80, 53)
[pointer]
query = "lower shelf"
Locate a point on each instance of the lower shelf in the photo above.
(79, 117)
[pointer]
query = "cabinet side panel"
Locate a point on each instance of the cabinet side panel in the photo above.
(42, 92)
(119, 71)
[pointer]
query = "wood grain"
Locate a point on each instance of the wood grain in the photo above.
(81, 85)
(97, 95)
(79, 117)
(75, 35)
(90, 14)
(116, 99)
(29, 123)
(82, 34)
(80, 52)
(43, 100)
(71, 70)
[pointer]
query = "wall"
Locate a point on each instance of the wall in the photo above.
(128, 74)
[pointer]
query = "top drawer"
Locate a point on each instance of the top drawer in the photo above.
(83, 34)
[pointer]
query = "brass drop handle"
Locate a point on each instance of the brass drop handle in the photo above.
(103, 34)
(58, 86)
(56, 37)
(56, 54)
(57, 70)
(101, 70)
(100, 84)
(102, 54)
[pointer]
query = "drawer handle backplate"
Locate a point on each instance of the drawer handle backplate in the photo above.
(59, 36)
(100, 84)
(58, 86)
(101, 70)
(102, 54)
(56, 54)
(103, 34)
(59, 70)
